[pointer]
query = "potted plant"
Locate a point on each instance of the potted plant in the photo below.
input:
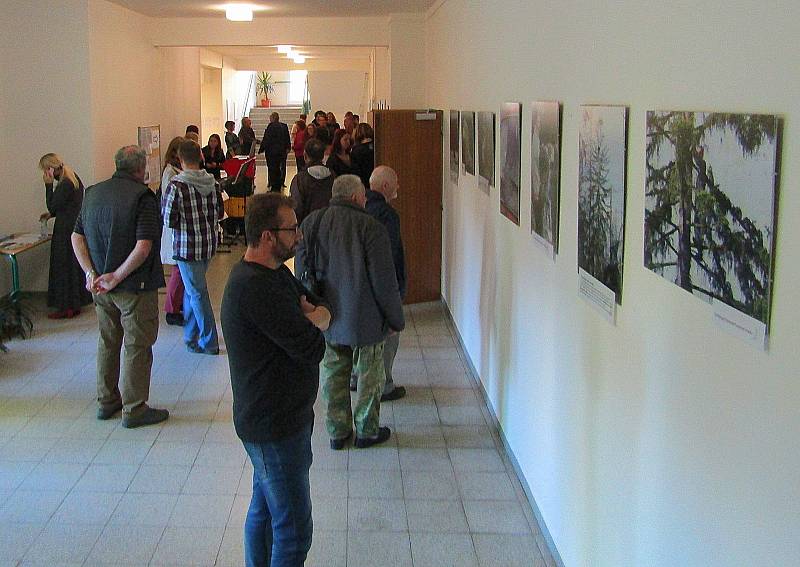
(265, 86)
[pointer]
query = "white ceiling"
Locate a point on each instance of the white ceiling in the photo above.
(311, 52)
(283, 8)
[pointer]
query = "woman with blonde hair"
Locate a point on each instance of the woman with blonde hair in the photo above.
(66, 286)
(173, 303)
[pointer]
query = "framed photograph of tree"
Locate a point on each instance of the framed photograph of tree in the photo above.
(510, 157)
(485, 150)
(454, 135)
(601, 196)
(468, 141)
(710, 202)
(545, 173)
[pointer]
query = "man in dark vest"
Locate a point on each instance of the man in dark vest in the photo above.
(117, 241)
(311, 188)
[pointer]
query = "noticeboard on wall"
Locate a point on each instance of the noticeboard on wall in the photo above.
(150, 141)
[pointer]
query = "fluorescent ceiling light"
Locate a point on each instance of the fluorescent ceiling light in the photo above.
(239, 12)
(299, 59)
(284, 49)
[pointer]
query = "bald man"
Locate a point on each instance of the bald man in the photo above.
(383, 190)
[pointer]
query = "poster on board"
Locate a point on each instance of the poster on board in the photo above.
(468, 141)
(485, 150)
(545, 173)
(150, 141)
(454, 136)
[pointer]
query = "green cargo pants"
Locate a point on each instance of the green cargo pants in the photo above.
(367, 363)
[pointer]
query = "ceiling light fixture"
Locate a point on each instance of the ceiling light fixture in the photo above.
(239, 12)
(299, 59)
(284, 49)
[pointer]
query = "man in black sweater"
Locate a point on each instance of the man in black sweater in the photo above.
(275, 145)
(273, 332)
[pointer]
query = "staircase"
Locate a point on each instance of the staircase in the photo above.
(260, 117)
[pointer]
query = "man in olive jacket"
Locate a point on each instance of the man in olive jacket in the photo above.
(353, 258)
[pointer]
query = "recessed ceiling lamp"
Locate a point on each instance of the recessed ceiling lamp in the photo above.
(284, 49)
(299, 59)
(239, 12)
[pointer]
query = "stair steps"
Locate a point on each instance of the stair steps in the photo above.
(260, 118)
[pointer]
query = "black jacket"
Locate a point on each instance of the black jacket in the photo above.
(275, 142)
(385, 213)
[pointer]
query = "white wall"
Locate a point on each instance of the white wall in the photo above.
(45, 107)
(660, 441)
(336, 91)
(407, 39)
(126, 89)
(181, 75)
(211, 107)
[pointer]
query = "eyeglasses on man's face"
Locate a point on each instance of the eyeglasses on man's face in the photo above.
(295, 228)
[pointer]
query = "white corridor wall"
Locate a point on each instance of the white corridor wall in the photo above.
(660, 441)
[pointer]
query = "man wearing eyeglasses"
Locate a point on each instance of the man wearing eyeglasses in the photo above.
(353, 259)
(273, 332)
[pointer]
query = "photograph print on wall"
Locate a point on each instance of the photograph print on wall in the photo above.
(468, 141)
(510, 156)
(601, 195)
(454, 134)
(710, 201)
(485, 150)
(545, 173)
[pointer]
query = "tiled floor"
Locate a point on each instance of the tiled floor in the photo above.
(77, 491)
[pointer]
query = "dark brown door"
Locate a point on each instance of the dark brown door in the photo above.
(413, 148)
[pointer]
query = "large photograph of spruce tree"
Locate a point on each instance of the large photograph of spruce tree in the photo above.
(454, 135)
(601, 194)
(709, 220)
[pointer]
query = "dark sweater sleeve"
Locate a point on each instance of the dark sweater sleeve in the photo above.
(281, 318)
(392, 224)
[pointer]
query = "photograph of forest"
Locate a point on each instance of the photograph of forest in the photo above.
(601, 194)
(709, 218)
(486, 150)
(546, 170)
(454, 133)
(468, 141)
(510, 157)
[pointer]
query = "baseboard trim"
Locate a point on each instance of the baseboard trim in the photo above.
(548, 539)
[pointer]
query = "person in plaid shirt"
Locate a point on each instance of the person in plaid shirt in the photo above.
(193, 209)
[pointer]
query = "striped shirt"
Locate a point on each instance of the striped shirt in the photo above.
(193, 218)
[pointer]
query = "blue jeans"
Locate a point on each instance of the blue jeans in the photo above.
(198, 316)
(278, 528)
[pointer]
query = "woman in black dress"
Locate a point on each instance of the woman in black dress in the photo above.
(66, 287)
(213, 156)
(363, 153)
(339, 160)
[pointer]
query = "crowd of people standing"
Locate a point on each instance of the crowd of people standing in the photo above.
(109, 246)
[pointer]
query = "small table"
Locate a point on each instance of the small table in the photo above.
(12, 247)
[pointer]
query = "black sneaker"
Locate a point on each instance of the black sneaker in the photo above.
(383, 435)
(338, 444)
(396, 394)
(149, 416)
(175, 319)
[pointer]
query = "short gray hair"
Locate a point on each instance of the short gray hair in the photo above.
(345, 186)
(381, 175)
(130, 159)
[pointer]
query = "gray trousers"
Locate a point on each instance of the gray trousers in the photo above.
(389, 353)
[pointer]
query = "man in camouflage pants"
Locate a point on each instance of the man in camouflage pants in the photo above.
(353, 260)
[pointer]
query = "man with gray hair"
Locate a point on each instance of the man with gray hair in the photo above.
(352, 259)
(117, 242)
